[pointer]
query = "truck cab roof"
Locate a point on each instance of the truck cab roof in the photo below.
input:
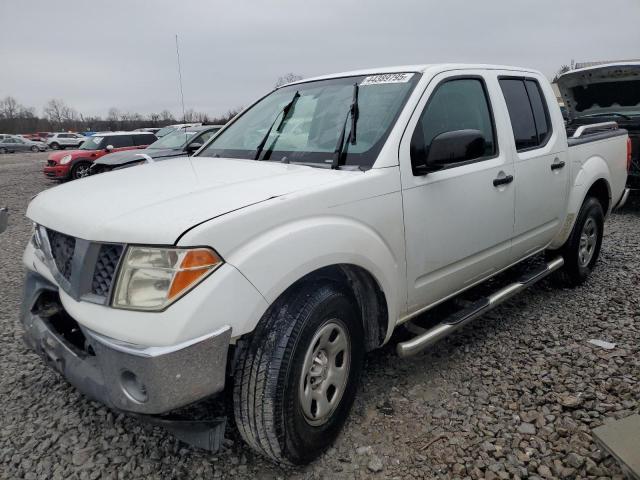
(421, 68)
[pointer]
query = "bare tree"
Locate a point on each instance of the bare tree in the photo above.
(191, 116)
(154, 118)
(53, 111)
(113, 115)
(288, 78)
(167, 116)
(10, 108)
(60, 114)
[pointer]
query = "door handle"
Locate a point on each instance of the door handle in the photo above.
(557, 165)
(502, 181)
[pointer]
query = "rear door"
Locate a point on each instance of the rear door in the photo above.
(540, 161)
(458, 220)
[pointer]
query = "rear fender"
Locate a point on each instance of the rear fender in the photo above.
(588, 173)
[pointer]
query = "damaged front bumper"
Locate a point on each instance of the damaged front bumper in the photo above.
(141, 380)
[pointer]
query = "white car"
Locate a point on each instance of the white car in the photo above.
(172, 128)
(63, 140)
(322, 218)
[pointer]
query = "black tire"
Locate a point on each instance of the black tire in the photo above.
(35, 148)
(80, 170)
(578, 266)
(3, 150)
(54, 145)
(269, 377)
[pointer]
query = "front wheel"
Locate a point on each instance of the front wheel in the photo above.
(297, 376)
(581, 251)
(55, 145)
(80, 170)
(3, 150)
(35, 148)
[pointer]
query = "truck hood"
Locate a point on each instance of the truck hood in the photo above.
(156, 203)
(613, 88)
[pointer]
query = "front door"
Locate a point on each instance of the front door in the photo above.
(458, 220)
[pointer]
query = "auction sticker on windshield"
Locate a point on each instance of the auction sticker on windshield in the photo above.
(386, 78)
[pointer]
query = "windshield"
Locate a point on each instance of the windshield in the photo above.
(91, 143)
(165, 131)
(173, 140)
(310, 132)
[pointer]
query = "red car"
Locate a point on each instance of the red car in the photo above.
(74, 164)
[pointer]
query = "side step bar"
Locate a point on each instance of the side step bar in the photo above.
(426, 338)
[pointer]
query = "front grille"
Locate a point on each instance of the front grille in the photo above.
(62, 248)
(105, 270)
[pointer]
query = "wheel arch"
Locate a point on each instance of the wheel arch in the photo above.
(593, 179)
(366, 292)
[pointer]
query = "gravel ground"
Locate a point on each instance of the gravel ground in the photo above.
(515, 395)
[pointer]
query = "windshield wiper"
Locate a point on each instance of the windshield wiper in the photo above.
(284, 112)
(353, 112)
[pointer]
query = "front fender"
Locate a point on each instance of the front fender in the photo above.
(277, 258)
(588, 173)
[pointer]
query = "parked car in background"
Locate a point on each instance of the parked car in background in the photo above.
(153, 130)
(17, 144)
(65, 140)
(76, 163)
(5, 135)
(184, 141)
(329, 213)
(606, 93)
(170, 128)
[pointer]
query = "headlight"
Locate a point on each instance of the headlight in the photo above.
(66, 159)
(152, 278)
(35, 236)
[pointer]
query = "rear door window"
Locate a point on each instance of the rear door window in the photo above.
(145, 139)
(528, 112)
(540, 111)
(120, 141)
(520, 113)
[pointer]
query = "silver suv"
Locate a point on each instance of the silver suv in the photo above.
(64, 140)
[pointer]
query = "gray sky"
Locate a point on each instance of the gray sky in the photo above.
(122, 53)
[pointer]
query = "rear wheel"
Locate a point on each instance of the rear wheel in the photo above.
(55, 145)
(80, 170)
(34, 148)
(3, 150)
(581, 251)
(297, 376)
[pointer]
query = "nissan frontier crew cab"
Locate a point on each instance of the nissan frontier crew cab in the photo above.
(323, 217)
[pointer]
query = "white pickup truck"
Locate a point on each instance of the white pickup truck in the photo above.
(323, 217)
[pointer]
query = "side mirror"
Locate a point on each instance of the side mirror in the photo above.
(449, 148)
(109, 148)
(4, 219)
(192, 147)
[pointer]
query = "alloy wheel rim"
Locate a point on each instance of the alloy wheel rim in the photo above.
(82, 172)
(325, 372)
(588, 241)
